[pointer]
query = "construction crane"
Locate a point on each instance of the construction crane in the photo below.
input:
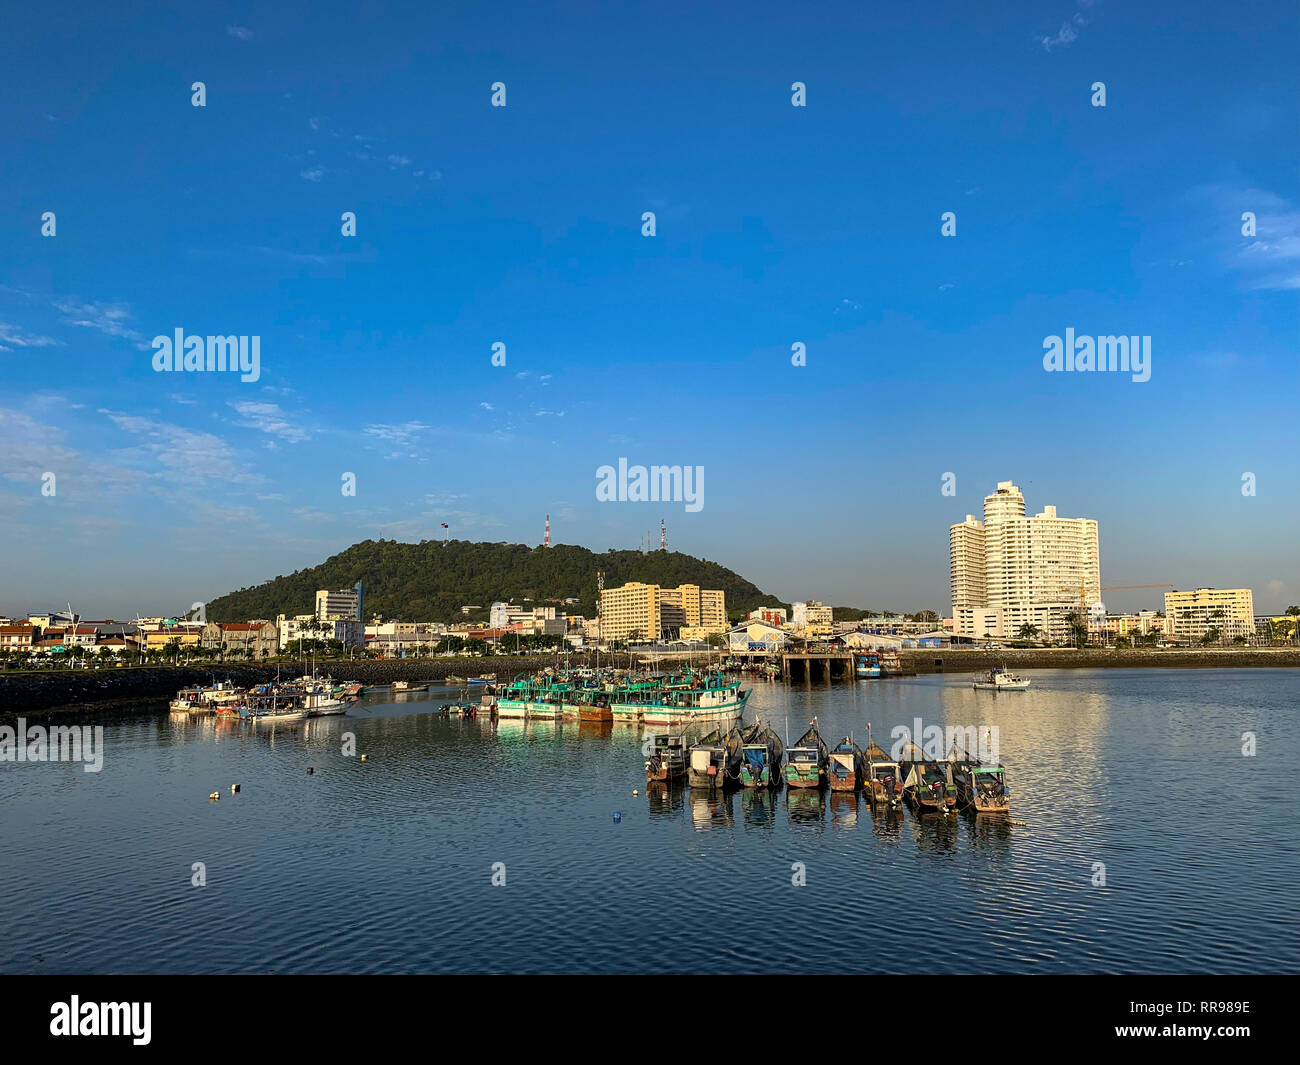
(1083, 589)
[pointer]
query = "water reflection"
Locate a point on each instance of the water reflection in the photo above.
(844, 809)
(805, 806)
(759, 807)
(710, 809)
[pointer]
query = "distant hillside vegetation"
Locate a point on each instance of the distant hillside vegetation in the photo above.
(431, 580)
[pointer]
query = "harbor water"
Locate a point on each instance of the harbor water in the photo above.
(1140, 839)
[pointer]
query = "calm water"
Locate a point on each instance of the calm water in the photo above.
(385, 866)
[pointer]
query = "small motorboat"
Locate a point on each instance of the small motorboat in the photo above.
(1000, 680)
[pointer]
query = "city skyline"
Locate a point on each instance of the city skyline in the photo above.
(775, 226)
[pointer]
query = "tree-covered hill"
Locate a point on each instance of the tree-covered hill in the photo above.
(431, 580)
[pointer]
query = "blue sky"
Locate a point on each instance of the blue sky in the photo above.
(522, 224)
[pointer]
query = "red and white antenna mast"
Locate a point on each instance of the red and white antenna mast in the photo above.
(663, 535)
(547, 542)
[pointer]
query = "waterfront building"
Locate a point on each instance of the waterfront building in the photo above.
(20, 637)
(773, 615)
(348, 632)
(814, 618)
(253, 639)
(1012, 570)
(187, 634)
(1229, 611)
(648, 612)
(758, 636)
(339, 604)
(505, 615)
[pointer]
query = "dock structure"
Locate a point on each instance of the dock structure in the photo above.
(817, 665)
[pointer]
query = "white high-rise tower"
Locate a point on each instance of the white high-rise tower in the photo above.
(1011, 570)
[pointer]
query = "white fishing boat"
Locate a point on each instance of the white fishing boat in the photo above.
(1000, 680)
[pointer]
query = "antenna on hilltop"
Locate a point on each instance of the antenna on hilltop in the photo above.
(546, 542)
(663, 535)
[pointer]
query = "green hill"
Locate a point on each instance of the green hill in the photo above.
(431, 580)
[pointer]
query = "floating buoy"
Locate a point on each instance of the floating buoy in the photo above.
(234, 789)
(214, 796)
(310, 770)
(617, 817)
(635, 793)
(364, 757)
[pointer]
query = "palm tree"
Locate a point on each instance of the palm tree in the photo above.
(1028, 631)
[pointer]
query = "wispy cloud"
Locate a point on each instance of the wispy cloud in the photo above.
(1270, 259)
(11, 336)
(240, 33)
(176, 454)
(1069, 31)
(112, 318)
(314, 173)
(405, 437)
(270, 419)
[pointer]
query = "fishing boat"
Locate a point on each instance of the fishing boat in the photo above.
(715, 760)
(323, 704)
(761, 759)
(882, 779)
(706, 698)
(805, 764)
(892, 666)
(980, 787)
(844, 768)
(269, 704)
(404, 686)
(200, 700)
(927, 782)
(668, 762)
(1000, 680)
(542, 697)
(866, 664)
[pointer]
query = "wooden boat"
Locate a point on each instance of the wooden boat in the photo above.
(882, 778)
(1000, 680)
(805, 764)
(668, 762)
(927, 782)
(844, 768)
(980, 787)
(714, 761)
(761, 758)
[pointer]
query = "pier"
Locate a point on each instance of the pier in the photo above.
(817, 665)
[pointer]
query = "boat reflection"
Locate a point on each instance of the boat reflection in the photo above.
(805, 806)
(844, 808)
(710, 809)
(759, 807)
(665, 800)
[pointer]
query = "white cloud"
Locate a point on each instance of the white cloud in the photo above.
(405, 435)
(13, 337)
(109, 318)
(240, 33)
(312, 174)
(270, 419)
